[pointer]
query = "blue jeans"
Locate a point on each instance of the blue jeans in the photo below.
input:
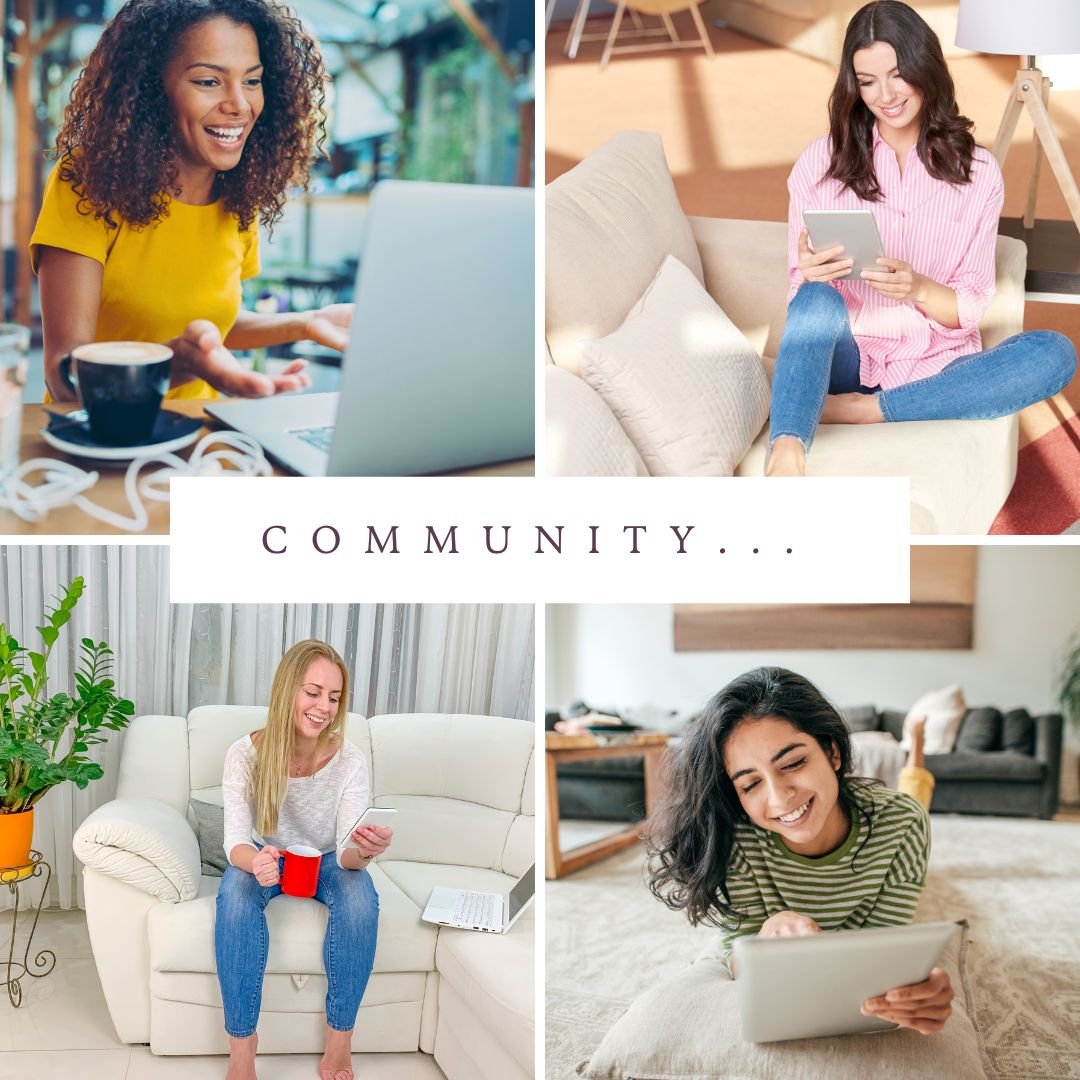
(818, 356)
(242, 942)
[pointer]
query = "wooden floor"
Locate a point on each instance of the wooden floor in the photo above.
(732, 127)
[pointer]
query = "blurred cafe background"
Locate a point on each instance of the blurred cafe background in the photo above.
(421, 90)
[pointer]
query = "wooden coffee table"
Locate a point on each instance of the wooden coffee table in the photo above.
(649, 746)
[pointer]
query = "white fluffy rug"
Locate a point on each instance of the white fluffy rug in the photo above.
(1016, 881)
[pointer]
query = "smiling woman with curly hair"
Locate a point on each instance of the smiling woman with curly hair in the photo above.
(186, 129)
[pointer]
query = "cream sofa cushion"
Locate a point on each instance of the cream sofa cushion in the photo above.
(688, 1029)
(493, 974)
(681, 379)
(610, 222)
(182, 935)
(144, 843)
(944, 711)
(583, 438)
(417, 880)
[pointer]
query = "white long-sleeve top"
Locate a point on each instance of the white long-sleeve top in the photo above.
(318, 810)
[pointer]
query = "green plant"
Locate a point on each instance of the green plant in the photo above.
(44, 740)
(1069, 692)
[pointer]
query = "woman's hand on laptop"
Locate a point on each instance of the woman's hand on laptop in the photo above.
(788, 924)
(330, 326)
(372, 840)
(922, 1006)
(199, 353)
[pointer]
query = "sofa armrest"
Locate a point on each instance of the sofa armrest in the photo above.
(1005, 315)
(1049, 730)
(745, 267)
(144, 843)
(154, 764)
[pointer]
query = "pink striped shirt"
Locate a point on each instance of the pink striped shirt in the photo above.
(947, 232)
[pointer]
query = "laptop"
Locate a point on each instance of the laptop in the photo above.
(813, 986)
(438, 374)
(490, 912)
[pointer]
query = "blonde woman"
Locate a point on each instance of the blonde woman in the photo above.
(297, 781)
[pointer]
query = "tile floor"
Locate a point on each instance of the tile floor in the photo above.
(63, 1030)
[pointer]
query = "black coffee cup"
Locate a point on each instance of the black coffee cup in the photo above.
(121, 384)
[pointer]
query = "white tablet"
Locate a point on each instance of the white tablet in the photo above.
(809, 987)
(855, 230)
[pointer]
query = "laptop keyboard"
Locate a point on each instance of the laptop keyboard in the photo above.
(319, 437)
(478, 909)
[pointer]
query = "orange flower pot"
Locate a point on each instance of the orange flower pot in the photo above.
(16, 834)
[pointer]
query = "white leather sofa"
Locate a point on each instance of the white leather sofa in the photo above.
(463, 788)
(611, 221)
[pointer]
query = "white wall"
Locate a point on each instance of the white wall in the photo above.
(1026, 610)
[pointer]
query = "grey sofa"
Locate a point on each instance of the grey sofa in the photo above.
(1003, 763)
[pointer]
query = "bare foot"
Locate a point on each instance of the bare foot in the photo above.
(851, 409)
(786, 458)
(242, 1058)
(336, 1062)
(915, 729)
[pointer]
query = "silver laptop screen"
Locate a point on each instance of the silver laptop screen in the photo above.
(522, 892)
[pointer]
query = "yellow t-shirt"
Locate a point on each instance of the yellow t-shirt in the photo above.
(156, 280)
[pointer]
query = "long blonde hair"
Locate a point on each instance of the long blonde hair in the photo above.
(270, 774)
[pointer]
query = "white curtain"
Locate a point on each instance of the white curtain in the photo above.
(468, 658)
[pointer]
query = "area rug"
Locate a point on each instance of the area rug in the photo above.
(1016, 881)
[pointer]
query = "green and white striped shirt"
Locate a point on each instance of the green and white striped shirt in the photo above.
(871, 883)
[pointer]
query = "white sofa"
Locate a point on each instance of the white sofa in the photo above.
(463, 788)
(611, 221)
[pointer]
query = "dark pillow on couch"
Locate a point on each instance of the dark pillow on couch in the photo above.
(210, 831)
(1018, 732)
(893, 722)
(980, 731)
(860, 718)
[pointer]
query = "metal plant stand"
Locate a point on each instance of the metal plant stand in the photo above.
(14, 877)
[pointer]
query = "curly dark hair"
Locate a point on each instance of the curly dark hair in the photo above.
(691, 834)
(117, 143)
(945, 143)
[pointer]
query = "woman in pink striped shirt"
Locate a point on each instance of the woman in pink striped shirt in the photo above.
(900, 342)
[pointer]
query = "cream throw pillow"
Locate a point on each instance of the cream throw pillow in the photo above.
(944, 711)
(681, 379)
(688, 1029)
(582, 436)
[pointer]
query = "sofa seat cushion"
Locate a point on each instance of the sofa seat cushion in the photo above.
(987, 766)
(182, 935)
(416, 879)
(493, 974)
(610, 220)
(961, 470)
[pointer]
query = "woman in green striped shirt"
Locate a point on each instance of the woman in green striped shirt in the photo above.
(765, 831)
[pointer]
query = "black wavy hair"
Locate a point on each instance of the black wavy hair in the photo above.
(117, 143)
(692, 832)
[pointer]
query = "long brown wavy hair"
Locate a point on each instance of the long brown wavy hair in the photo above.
(117, 143)
(691, 834)
(945, 144)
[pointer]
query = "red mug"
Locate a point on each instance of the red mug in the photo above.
(301, 874)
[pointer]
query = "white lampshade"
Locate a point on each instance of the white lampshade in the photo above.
(1019, 27)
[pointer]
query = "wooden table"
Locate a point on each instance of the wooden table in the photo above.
(649, 746)
(109, 490)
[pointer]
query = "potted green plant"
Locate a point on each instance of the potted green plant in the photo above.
(44, 739)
